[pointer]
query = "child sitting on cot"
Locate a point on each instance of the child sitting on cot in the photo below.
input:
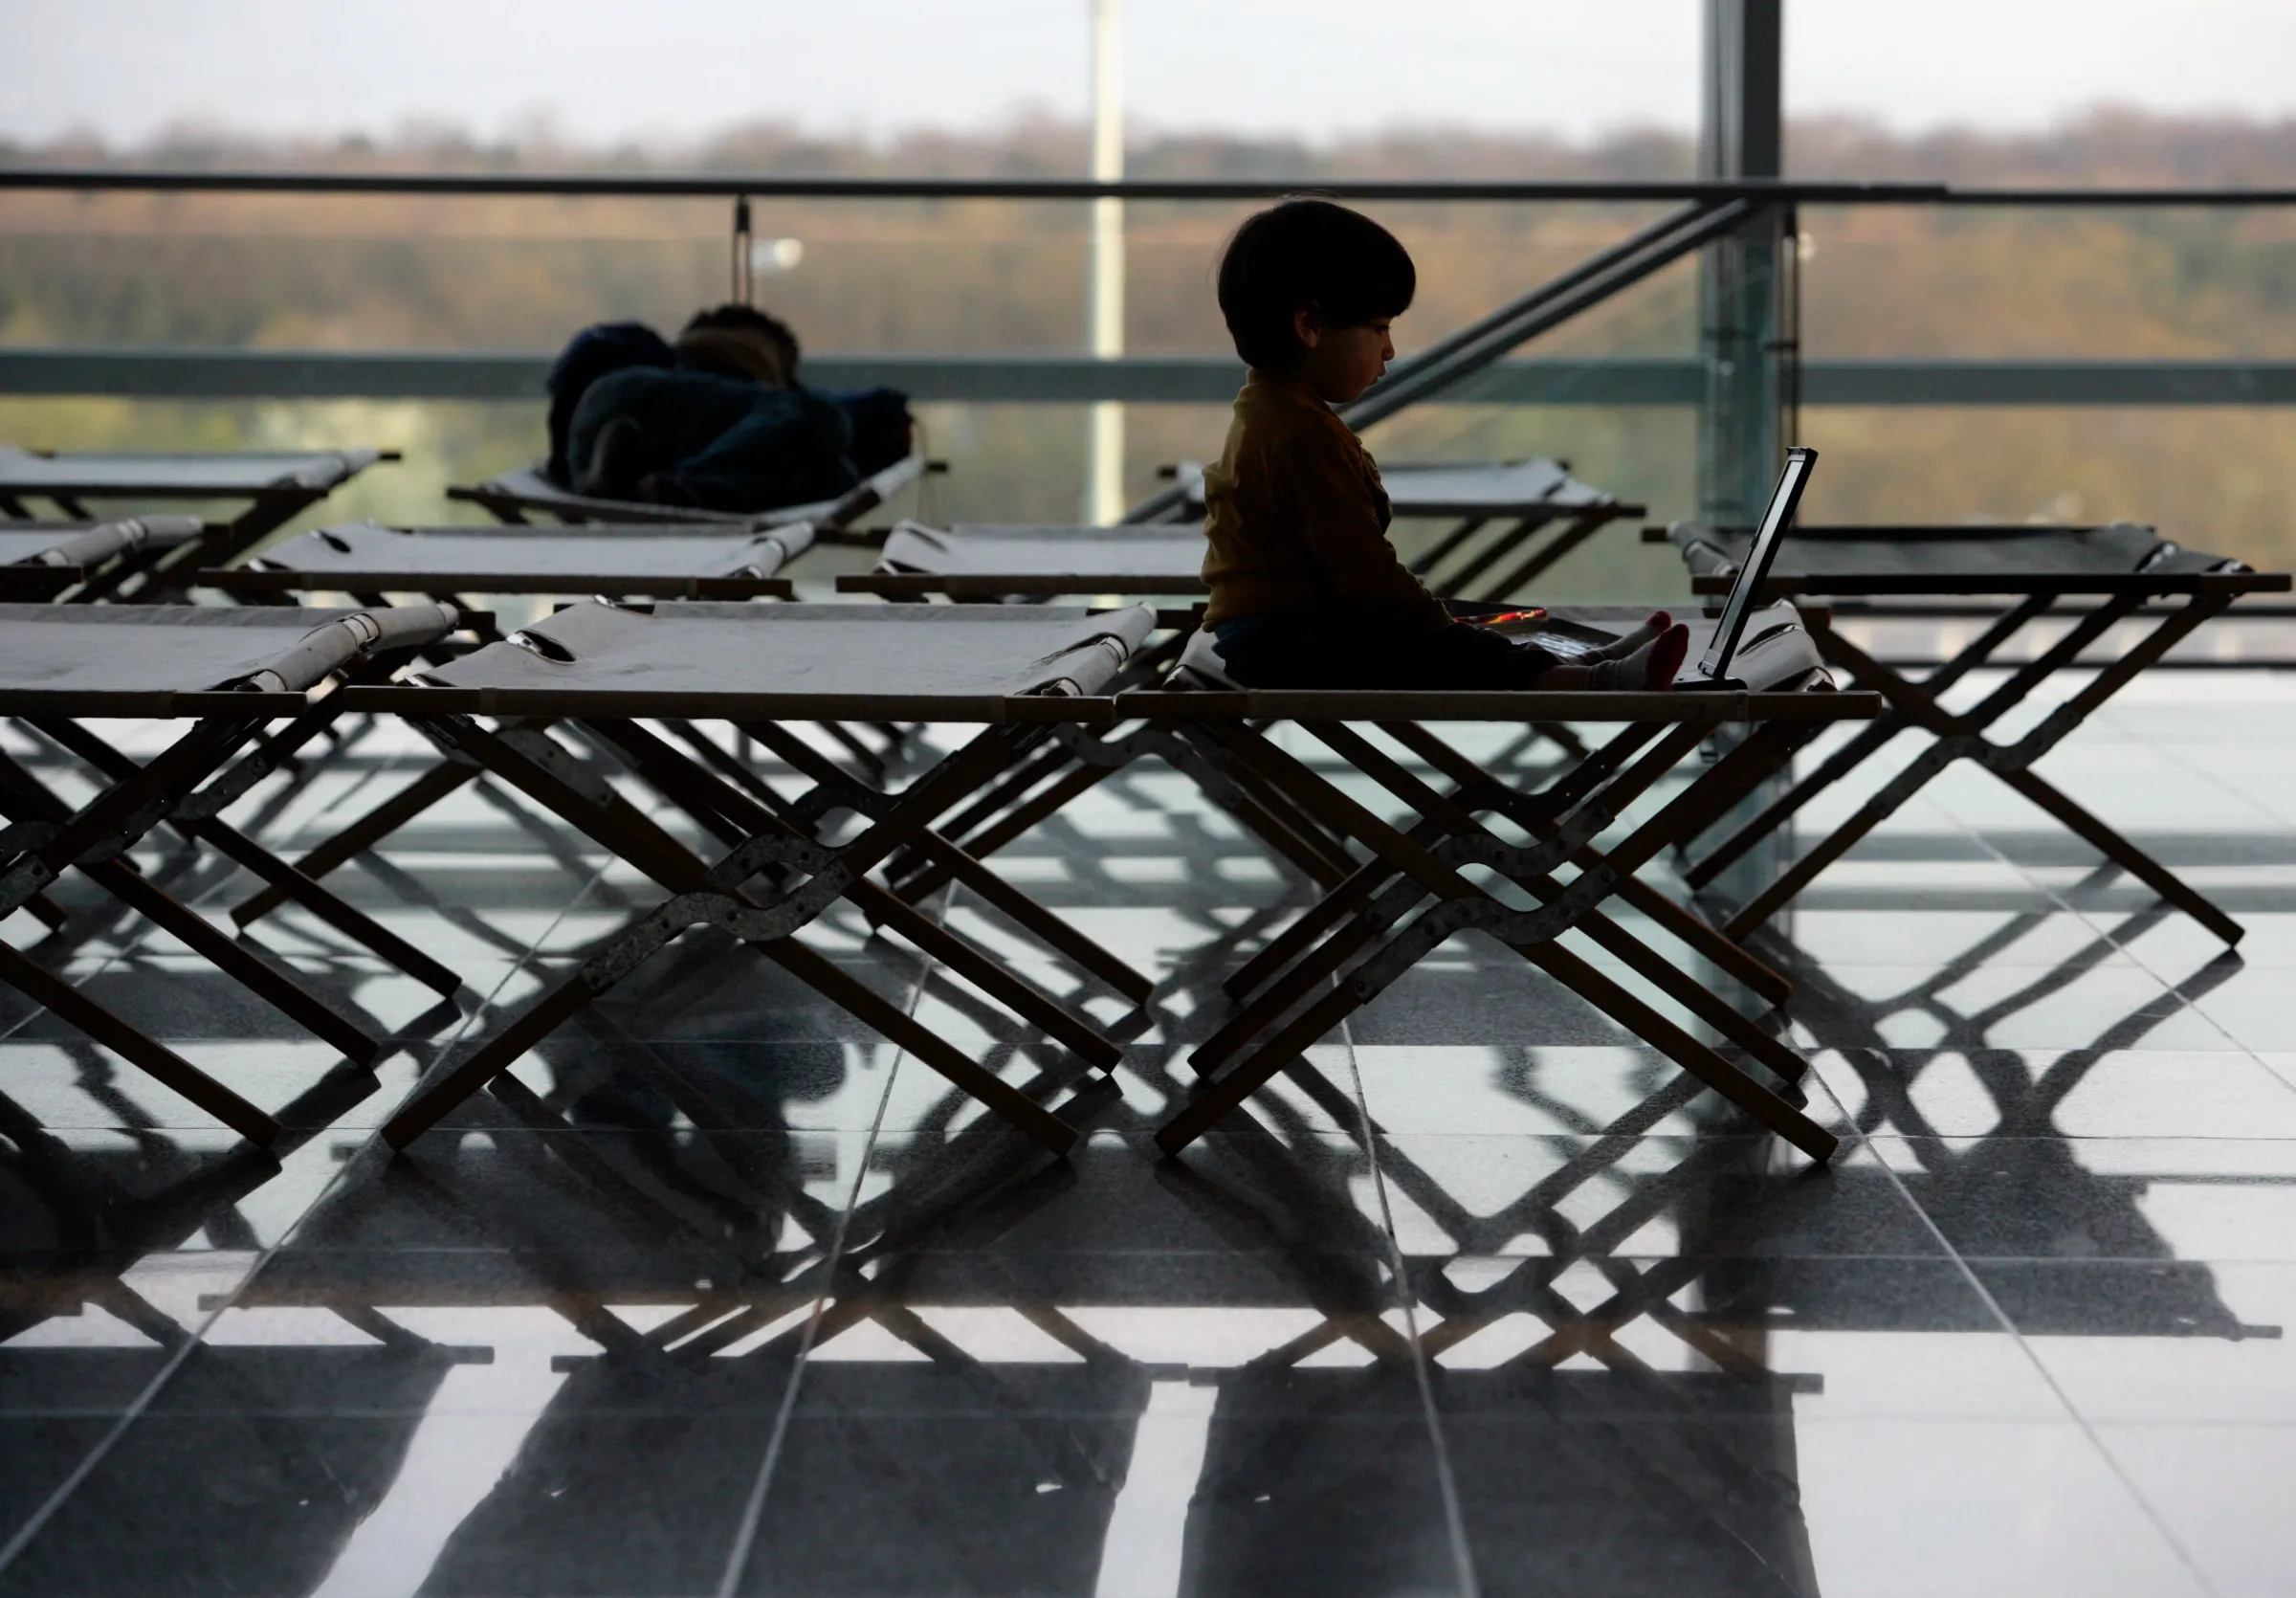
(1307, 592)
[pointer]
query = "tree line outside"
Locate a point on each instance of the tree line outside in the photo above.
(384, 273)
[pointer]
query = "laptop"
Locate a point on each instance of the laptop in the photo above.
(1712, 670)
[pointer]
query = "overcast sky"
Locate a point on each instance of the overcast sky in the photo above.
(608, 69)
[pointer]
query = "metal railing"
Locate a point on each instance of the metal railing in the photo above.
(735, 185)
(1469, 365)
(177, 373)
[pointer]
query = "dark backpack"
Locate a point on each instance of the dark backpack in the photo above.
(881, 426)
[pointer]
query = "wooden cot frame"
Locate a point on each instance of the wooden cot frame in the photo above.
(1362, 904)
(1362, 935)
(1914, 703)
(765, 834)
(827, 524)
(180, 789)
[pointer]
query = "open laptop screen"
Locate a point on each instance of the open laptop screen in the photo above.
(1756, 568)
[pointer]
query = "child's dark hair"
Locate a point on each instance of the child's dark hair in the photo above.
(1313, 254)
(748, 319)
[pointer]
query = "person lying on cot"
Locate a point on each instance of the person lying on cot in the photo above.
(1307, 592)
(718, 421)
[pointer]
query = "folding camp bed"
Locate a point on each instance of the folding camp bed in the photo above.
(514, 497)
(1363, 934)
(229, 674)
(2110, 575)
(1018, 673)
(1080, 758)
(51, 560)
(272, 486)
(366, 561)
(704, 561)
(1522, 498)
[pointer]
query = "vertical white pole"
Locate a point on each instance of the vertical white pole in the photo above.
(1104, 299)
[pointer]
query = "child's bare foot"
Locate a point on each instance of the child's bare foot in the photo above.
(1652, 666)
(1618, 648)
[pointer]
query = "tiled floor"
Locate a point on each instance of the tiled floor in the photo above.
(1503, 1308)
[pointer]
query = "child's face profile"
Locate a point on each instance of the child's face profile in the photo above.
(1341, 362)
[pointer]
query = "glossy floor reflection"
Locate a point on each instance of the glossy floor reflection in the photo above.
(720, 1294)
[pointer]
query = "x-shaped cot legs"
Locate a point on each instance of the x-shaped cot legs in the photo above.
(1407, 870)
(1962, 737)
(46, 837)
(717, 896)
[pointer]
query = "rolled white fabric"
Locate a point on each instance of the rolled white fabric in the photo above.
(403, 625)
(323, 473)
(795, 538)
(93, 545)
(329, 648)
(774, 550)
(1093, 662)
